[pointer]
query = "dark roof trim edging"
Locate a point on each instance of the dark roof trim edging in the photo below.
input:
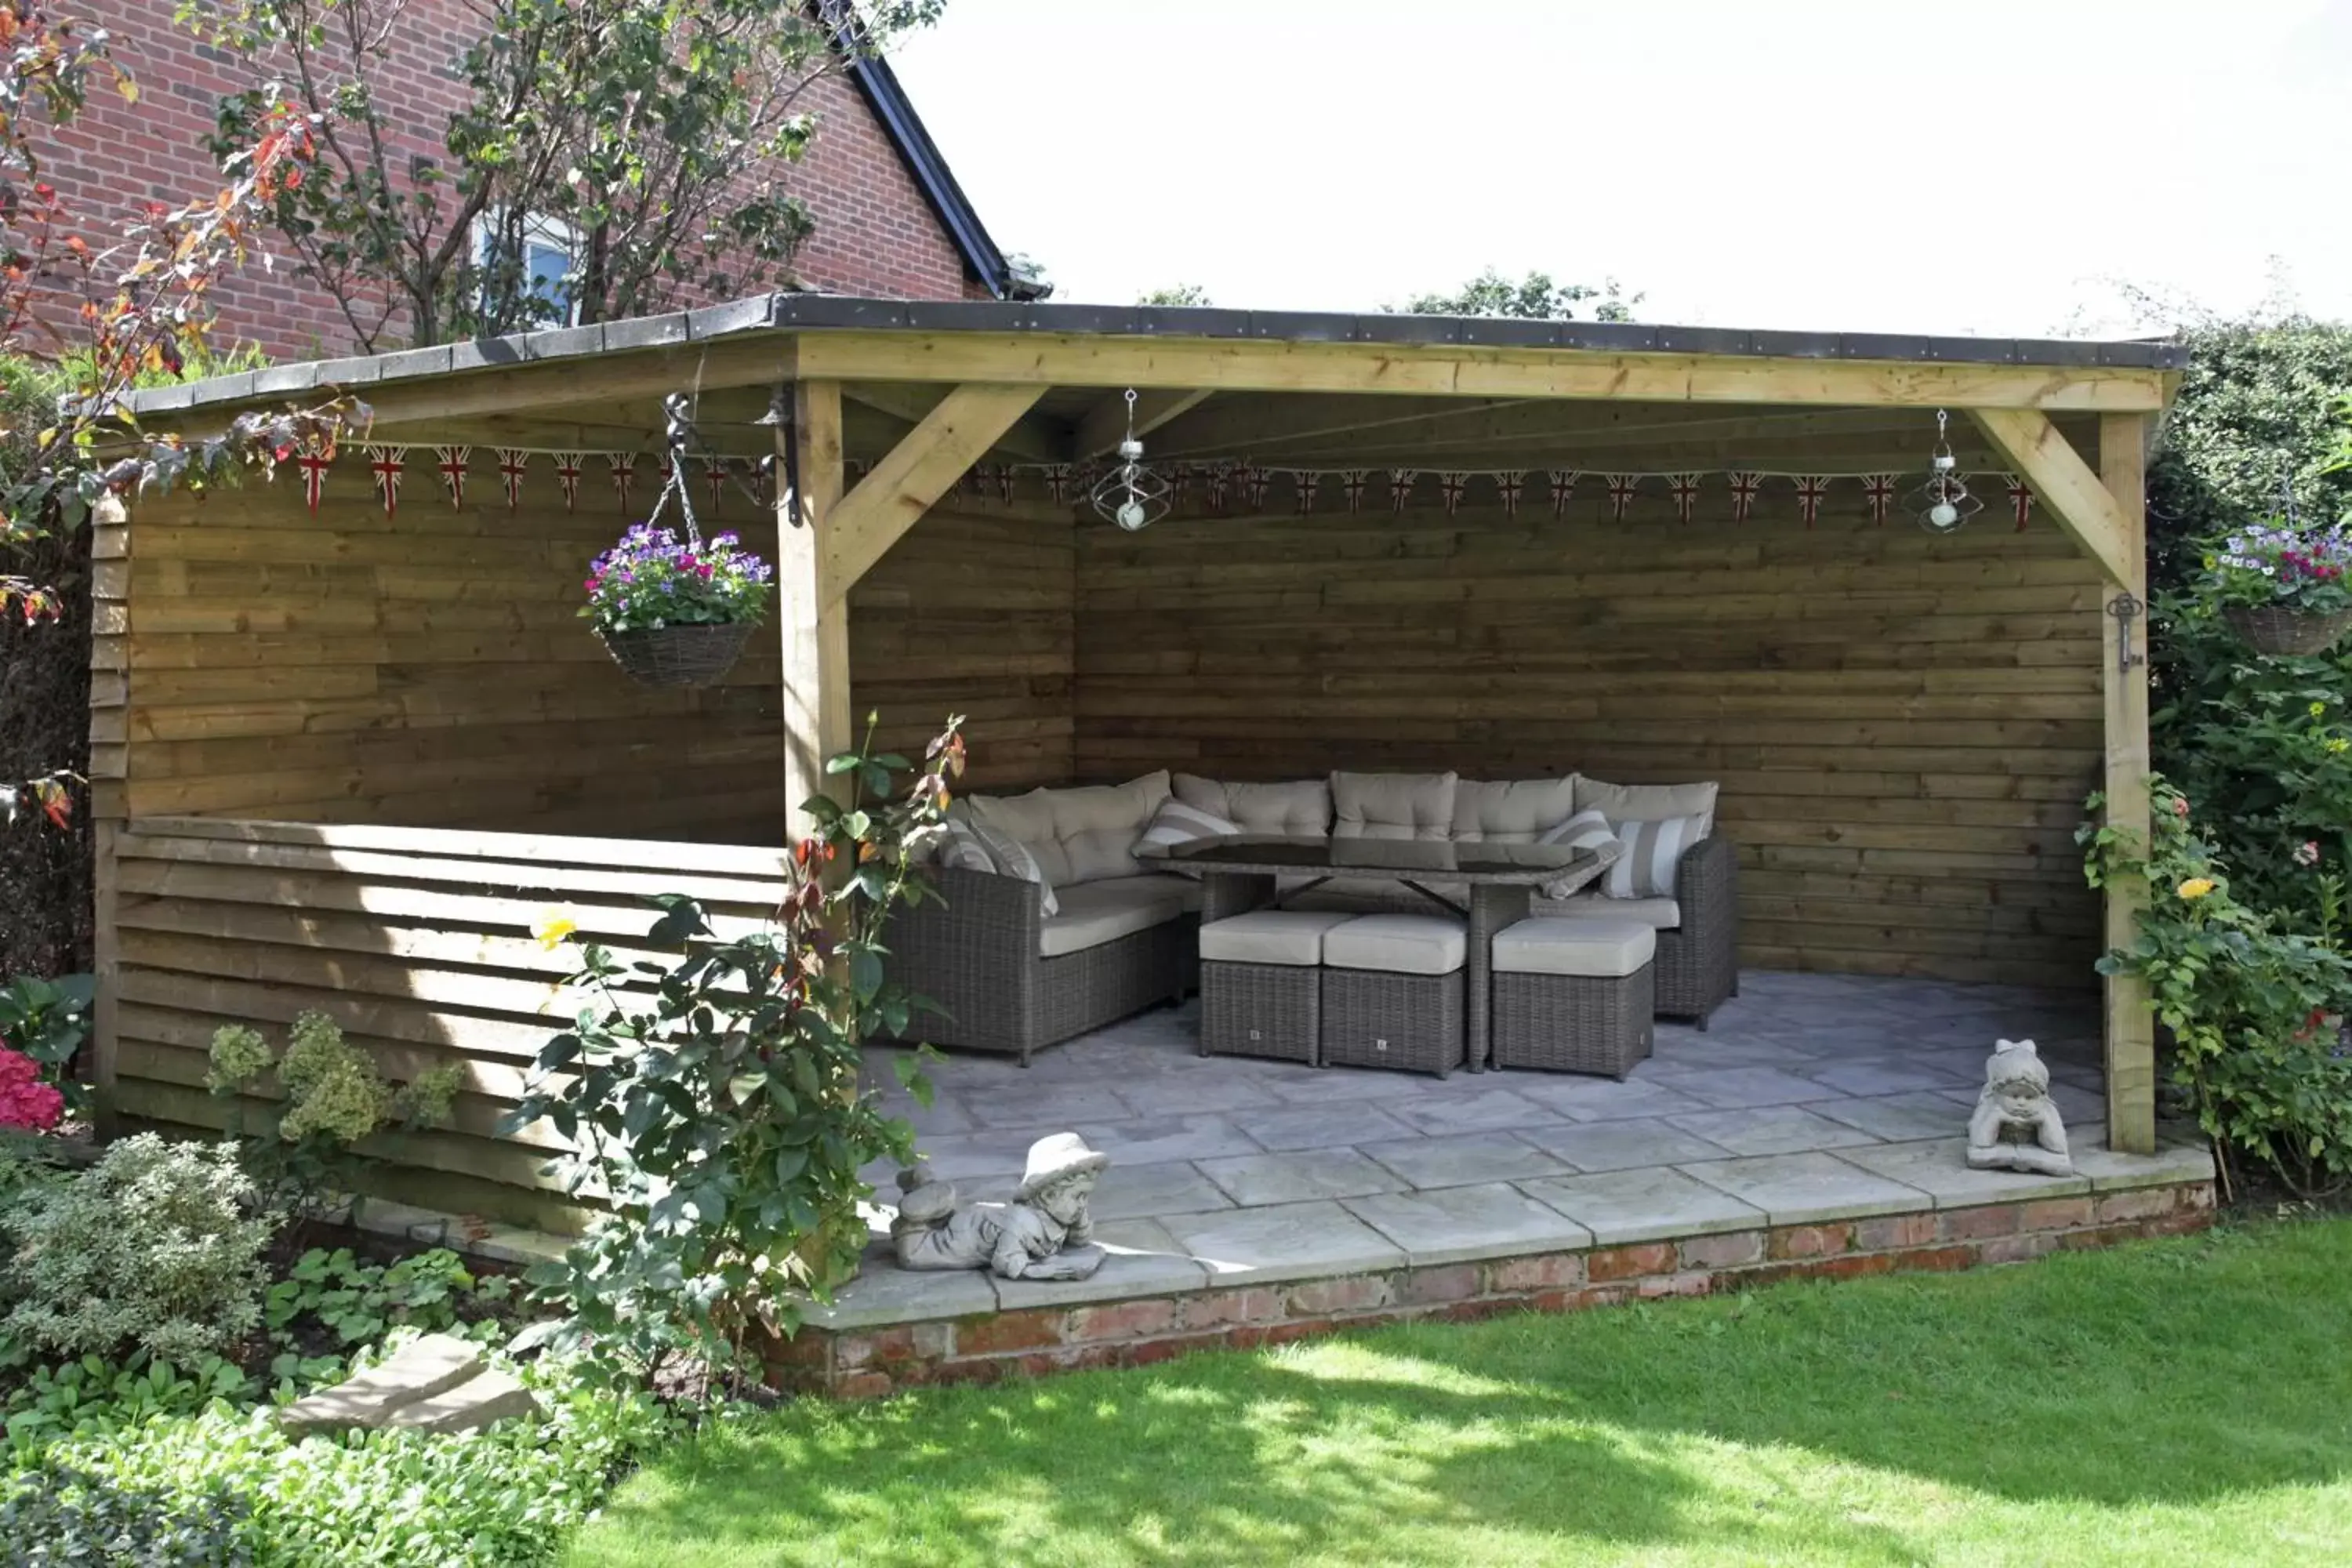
(879, 83)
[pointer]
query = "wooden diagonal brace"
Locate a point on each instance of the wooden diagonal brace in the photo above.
(918, 471)
(2083, 507)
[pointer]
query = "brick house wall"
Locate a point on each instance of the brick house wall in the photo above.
(875, 232)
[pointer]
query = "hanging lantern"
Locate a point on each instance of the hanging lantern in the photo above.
(1131, 495)
(1945, 504)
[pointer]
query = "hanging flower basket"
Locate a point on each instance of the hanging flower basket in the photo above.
(677, 655)
(2283, 630)
(2287, 589)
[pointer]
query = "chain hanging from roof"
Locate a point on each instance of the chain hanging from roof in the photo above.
(1945, 504)
(1131, 495)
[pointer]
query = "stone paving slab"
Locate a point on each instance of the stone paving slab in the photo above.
(1808, 1189)
(1881, 1075)
(1305, 1176)
(1287, 1241)
(1898, 1118)
(1348, 1122)
(1621, 1145)
(1465, 1225)
(884, 1293)
(1739, 1087)
(1150, 1140)
(1645, 1203)
(1147, 1192)
(1771, 1129)
(1041, 1107)
(1475, 1108)
(1144, 1260)
(2110, 1171)
(1464, 1158)
(1940, 1168)
(1581, 1098)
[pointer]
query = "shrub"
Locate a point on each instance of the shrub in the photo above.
(47, 1020)
(56, 1514)
(155, 1247)
(2254, 1006)
(723, 1115)
(334, 1096)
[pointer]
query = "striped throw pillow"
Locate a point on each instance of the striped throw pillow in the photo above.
(976, 847)
(1652, 850)
(1585, 830)
(1177, 823)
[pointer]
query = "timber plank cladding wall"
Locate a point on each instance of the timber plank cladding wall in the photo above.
(429, 669)
(1904, 727)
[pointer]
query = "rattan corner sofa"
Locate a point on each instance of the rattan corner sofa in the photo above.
(1013, 964)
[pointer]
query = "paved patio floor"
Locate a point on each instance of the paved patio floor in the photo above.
(1812, 1098)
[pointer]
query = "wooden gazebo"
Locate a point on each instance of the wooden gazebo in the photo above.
(350, 738)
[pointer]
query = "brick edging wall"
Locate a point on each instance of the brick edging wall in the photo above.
(859, 1363)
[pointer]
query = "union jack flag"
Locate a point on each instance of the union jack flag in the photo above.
(2020, 499)
(1507, 491)
(1686, 490)
(1743, 493)
(1307, 480)
(1218, 476)
(1180, 480)
(714, 474)
(1351, 482)
(1810, 489)
(1004, 483)
(567, 475)
(1450, 485)
(1057, 482)
(1401, 483)
(388, 463)
(1563, 485)
(314, 467)
(1256, 483)
(513, 463)
(1620, 494)
(624, 474)
(1878, 489)
(454, 463)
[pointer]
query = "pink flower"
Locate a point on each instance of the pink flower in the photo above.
(2180, 807)
(2307, 853)
(25, 1102)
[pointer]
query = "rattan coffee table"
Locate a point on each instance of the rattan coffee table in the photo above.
(1237, 873)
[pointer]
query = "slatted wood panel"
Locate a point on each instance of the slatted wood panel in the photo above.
(1904, 727)
(428, 669)
(416, 940)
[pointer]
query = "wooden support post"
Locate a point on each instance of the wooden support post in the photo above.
(2130, 1028)
(110, 722)
(815, 620)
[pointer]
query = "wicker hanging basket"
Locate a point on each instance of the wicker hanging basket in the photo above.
(2281, 629)
(677, 655)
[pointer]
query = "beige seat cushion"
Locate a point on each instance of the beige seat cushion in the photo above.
(1599, 949)
(1392, 805)
(1268, 936)
(1298, 809)
(1400, 944)
(1511, 811)
(1659, 914)
(1103, 910)
(1648, 802)
(1082, 835)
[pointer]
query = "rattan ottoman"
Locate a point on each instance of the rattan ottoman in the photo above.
(1393, 993)
(1574, 995)
(1262, 984)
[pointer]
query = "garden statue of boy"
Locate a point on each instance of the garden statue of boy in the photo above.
(2016, 1127)
(1045, 1233)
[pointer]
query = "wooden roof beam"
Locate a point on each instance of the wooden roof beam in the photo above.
(2085, 508)
(1105, 424)
(917, 472)
(1033, 438)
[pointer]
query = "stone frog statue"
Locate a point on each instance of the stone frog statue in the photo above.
(1045, 1233)
(2016, 1127)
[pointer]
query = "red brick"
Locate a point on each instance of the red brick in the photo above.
(1455, 1282)
(1122, 1320)
(1810, 1241)
(1730, 1249)
(1608, 1263)
(1977, 1224)
(862, 1386)
(2143, 1202)
(896, 1342)
(2018, 1249)
(1937, 1258)
(1010, 1332)
(1474, 1310)
(1253, 1305)
(1691, 1282)
(1545, 1272)
(2198, 1198)
(1357, 1293)
(2056, 1214)
(1888, 1232)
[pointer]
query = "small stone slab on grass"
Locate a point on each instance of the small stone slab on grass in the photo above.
(1285, 1241)
(1465, 1225)
(417, 1372)
(479, 1401)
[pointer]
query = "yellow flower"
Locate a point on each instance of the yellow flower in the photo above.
(2319, 709)
(2340, 745)
(552, 926)
(2196, 887)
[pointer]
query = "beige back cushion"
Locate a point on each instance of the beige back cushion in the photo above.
(1511, 811)
(1083, 835)
(1648, 802)
(1298, 809)
(1392, 805)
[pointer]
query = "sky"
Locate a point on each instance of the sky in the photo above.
(2001, 168)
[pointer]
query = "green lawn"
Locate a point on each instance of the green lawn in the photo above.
(2184, 1402)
